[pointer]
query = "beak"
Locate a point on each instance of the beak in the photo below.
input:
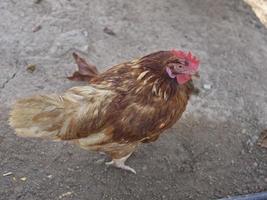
(196, 75)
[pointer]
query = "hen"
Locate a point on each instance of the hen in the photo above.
(129, 104)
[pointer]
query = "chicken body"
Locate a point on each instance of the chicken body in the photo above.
(129, 104)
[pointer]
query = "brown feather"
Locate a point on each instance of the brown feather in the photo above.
(85, 71)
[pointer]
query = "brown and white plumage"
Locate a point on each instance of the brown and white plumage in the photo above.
(129, 104)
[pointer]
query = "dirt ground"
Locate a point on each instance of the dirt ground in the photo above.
(210, 153)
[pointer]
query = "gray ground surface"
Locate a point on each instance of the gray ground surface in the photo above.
(210, 153)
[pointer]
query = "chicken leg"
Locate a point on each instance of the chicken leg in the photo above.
(120, 163)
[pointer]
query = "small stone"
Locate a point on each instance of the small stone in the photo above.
(31, 68)
(65, 195)
(36, 28)
(23, 178)
(109, 31)
(7, 174)
(49, 176)
(207, 86)
(255, 164)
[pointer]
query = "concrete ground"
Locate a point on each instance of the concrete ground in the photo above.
(210, 153)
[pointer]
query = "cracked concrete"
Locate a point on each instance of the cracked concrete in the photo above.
(7, 81)
(210, 153)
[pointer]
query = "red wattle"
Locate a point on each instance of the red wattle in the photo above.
(183, 78)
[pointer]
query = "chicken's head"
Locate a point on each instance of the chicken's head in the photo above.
(182, 66)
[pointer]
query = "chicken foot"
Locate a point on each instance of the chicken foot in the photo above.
(120, 163)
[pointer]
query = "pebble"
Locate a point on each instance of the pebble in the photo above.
(49, 176)
(65, 195)
(36, 28)
(23, 178)
(207, 86)
(109, 31)
(31, 68)
(7, 174)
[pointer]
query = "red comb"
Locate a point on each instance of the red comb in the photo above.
(193, 61)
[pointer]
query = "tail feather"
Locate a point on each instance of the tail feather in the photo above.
(73, 115)
(86, 72)
(39, 116)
